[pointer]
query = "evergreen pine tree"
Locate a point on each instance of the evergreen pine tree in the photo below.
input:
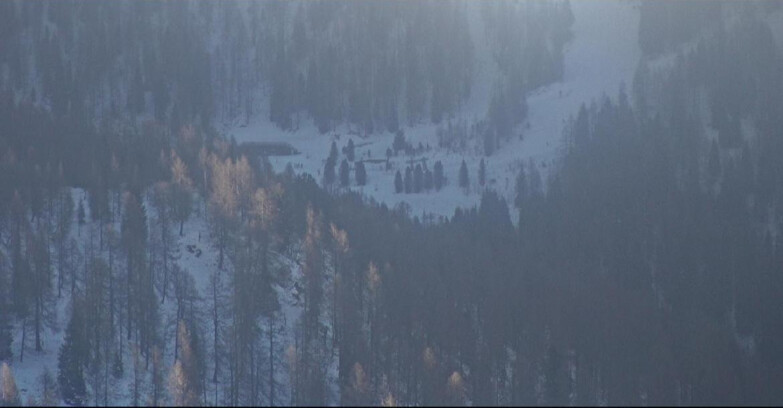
(438, 177)
(398, 186)
(80, 213)
(428, 180)
(329, 172)
(345, 173)
(350, 150)
(156, 394)
(482, 173)
(5, 318)
(464, 182)
(5, 335)
(553, 384)
(581, 130)
(333, 153)
(312, 381)
(399, 141)
(361, 173)
(98, 199)
(418, 179)
(72, 359)
(408, 180)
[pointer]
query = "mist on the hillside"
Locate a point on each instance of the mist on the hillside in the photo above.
(320, 203)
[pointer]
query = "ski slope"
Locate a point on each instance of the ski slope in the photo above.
(601, 56)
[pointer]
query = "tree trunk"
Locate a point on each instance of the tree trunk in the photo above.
(24, 337)
(215, 325)
(220, 256)
(271, 361)
(165, 265)
(60, 264)
(129, 313)
(38, 323)
(106, 361)
(111, 297)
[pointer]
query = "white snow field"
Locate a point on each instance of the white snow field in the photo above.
(601, 56)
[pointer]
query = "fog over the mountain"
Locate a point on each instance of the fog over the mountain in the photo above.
(458, 202)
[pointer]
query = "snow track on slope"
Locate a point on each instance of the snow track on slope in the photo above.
(602, 55)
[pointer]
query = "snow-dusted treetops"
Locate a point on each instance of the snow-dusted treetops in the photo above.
(391, 202)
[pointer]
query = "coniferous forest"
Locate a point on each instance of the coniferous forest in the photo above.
(149, 258)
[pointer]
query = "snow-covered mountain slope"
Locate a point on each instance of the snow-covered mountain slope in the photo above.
(27, 370)
(195, 255)
(602, 55)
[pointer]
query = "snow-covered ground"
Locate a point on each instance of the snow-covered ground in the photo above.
(27, 372)
(195, 254)
(602, 55)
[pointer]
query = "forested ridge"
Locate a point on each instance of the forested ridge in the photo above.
(375, 65)
(645, 269)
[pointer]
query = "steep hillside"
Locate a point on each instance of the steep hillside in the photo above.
(313, 203)
(375, 65)
(601, 56)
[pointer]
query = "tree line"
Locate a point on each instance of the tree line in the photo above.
(382, 65)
